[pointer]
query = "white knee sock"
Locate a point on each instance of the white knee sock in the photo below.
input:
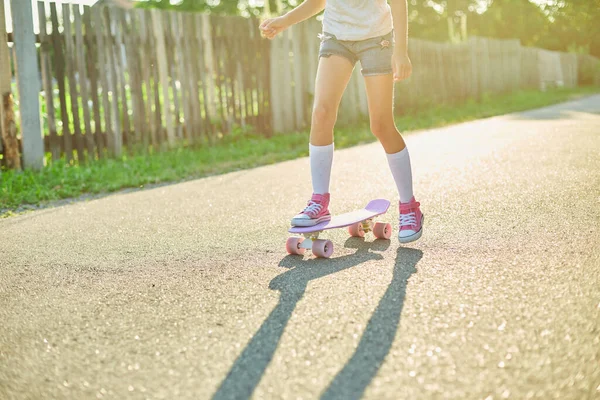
(400, 166)
(321, 158)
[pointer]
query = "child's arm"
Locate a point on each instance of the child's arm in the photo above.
(401, 63)
(273, 26)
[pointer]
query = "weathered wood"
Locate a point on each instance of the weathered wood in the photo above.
(286, 84)
(229, 63)
(5, 80)
(129, 23)
(115, 140)
(120, 77)
(209, 65)
(70, 61)
(173, 72)
(177, 25)
(276, 99)
(92, 72)
(186, 62)
(28, 84)
(203, 129)
(59, 68)
(158, 131)
(83, 83)
(157, 23)
(45, 65)
(299, 65)
(9, 132)
(146, 77)
(99, 28)
(220, 86)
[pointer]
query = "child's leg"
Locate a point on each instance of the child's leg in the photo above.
(333, 74)
(380, 95)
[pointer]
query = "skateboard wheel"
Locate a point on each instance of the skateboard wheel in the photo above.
(322, 248)
(292, 245)
(356, 230)
(381, 230)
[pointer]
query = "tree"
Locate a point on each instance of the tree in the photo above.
(575, 26)
(558, 25)
(511, 19)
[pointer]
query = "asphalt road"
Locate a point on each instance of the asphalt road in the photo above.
(186, 292)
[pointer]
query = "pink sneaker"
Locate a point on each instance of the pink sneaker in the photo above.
(411, 221)
(316, 211)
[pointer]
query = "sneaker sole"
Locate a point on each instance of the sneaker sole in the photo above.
(309, 222)
(414, 237)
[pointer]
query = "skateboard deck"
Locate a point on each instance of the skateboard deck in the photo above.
(358, 222)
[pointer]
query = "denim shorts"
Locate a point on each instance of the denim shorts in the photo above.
(374, 54)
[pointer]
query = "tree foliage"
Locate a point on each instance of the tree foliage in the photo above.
(559, 25)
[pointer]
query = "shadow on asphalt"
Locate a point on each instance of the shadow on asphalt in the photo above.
(377, 339)
(249, 367)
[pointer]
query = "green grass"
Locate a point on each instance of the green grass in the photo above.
(239, 150)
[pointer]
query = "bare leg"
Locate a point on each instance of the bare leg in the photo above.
(380, 96)
(333, 75)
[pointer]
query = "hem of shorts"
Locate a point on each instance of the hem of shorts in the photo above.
(330, 53)
(376, 73)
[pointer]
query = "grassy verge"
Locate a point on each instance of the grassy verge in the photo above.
(237, 151)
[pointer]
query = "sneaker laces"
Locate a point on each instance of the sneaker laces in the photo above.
(408, 219)
(312, 207)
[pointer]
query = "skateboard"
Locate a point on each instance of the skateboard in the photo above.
(358, 223)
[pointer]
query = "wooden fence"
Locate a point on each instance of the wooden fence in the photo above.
(116, 80)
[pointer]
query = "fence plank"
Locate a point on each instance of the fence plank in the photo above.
(209, 64)
(130, 41)
(83, 82)
(285, 84)
(59, 67)
(158, 131)
(277, 100)
(179, 62)
(72, 80)
(189, 48)
(299, 65)
(174, 101)
(120, 65)
(115, 141)
(29, 85)
(157, 23)
(45, 44)
(92, 73)
(144, 58)
(99, 29)
(203, 82)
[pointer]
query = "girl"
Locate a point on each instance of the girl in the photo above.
(356, 30)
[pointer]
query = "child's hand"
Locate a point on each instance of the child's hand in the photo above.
(272, 27)
(402, 67)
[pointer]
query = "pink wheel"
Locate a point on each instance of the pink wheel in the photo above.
(322, 248)
(293, 245)
(356, 230)
(381, 230)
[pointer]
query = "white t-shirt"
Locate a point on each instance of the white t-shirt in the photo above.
(357, 19)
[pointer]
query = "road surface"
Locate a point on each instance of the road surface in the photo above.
(185, 291)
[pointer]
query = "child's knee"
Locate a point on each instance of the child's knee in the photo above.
(382, 128)
(324, 115)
